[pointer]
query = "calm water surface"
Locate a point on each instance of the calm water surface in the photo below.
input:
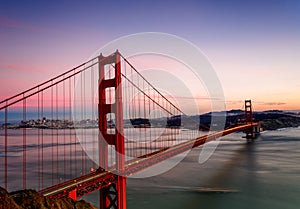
(262, 175)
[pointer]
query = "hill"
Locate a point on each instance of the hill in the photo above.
(30, 199)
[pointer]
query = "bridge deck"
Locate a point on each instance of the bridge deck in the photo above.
(99, 179)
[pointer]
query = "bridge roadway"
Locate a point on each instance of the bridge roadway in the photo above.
(94, 181)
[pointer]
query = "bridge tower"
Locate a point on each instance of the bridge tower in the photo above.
(113, 196)
(249, 120)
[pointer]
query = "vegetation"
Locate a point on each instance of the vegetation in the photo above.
(30, 199)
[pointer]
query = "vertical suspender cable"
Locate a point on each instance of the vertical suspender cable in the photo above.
(144, 107)
(132, 116)
(57, 126)
(39, 144)
(24, 143)
(42, 138)
(64, 127)
(93, 118)
(74, 120)
(5, 147)
(149, 114)
(52, 136)
(81, 123)
(70, 130)
(85, 122)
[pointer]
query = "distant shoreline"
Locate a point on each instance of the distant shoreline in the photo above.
(269, 120)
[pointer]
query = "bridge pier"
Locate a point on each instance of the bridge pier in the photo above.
(252, 133)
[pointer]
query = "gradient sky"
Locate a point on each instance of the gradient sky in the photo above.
(254, 46)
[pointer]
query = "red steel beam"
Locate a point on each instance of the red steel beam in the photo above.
(94, 181)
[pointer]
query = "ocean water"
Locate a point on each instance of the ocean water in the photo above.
(261, 175)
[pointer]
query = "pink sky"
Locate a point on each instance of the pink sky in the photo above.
(254, 48)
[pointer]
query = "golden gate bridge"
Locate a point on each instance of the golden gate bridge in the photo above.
(119, 132)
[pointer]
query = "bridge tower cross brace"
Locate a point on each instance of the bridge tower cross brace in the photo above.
(113, 196)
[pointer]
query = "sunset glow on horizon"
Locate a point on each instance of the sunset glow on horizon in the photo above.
(254, 47)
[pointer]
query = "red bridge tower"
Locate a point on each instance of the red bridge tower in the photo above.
(113, 196)
(252, 132)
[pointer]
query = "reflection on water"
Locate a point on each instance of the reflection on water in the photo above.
(262, 175)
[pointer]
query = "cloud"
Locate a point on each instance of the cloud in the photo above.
(11, 23)
(270, 103)
(22, 68)
(193, 98)
(234, 102)
(273, 103)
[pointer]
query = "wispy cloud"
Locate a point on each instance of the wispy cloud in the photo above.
(12, 23)
(193, 98)
(234, 102)
(23, 68)
(274, 103)
(270, 103)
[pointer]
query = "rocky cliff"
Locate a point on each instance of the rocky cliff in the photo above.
(30, 199)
